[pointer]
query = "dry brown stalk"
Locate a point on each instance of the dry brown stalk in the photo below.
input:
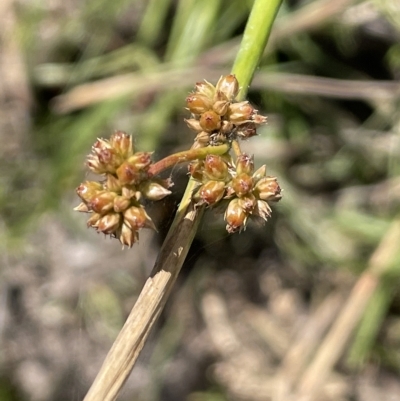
(131, 339)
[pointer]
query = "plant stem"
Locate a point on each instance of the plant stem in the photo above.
(185, 156)
(130, 341)
(254, 40)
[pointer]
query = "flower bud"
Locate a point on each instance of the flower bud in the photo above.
(121, 203)
(240, 113)
(193, 124)
(197, 103)
(88, 189)
(153, 190)
(245, 164)
(229, 86)
(102, 202)
(122, 144)
(267, 188)
(215, 168)
(109, 223)
(211, 192)
(210, 121)
(234, 216)
(242, 184)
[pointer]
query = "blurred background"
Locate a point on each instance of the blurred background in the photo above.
(307, 305)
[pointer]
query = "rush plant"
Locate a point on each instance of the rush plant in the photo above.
(220, 175)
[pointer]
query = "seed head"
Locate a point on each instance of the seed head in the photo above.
(235, 216)
(229, 86)
(215, 168)
(210, 121)
(198, 103)
(268, 189)
(210, 193)
(215, 111)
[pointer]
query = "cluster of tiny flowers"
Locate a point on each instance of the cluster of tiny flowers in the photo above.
(115, 202)
(217, 117)
(246, 191)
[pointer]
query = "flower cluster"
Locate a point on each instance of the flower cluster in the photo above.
(128, 177)
(115, 202)
(246, 191)
(217, 117)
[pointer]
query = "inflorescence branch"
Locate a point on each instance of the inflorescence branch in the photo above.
(116, 202)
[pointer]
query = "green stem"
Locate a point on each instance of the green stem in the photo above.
(254, 40)
(187, 155)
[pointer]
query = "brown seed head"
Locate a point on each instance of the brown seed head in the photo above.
(121, 203)
(235, 216)
(103, 202)
(109, 223)
(215, 168)
(88, 189)
(268, 189)
(245, 164)
(210, 121)
(198, 103)
(229, 86)
(137, 218)
(211, 192)
(242, 184)
(128, 174)
(240, 113)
